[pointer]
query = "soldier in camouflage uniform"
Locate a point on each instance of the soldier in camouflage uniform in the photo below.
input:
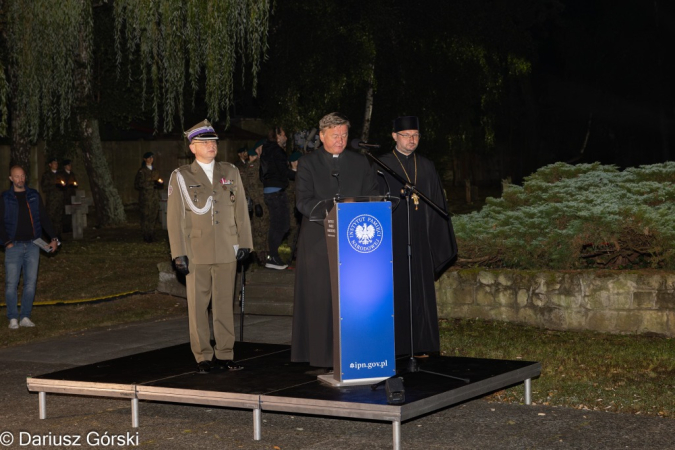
(68, 192)
(260, 218)
(296, 217)
(148, 184)
(53, 185)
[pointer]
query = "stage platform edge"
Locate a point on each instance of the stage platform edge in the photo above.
(296, 392)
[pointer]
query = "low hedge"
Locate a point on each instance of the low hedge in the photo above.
(576, 216)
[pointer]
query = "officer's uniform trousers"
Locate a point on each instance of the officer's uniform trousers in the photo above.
(207, 222)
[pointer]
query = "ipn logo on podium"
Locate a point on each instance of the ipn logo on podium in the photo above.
(364, 233)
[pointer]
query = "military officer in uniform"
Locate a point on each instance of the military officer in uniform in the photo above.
(209, 230)
(148, 184)
(53, 185)
(260, 219)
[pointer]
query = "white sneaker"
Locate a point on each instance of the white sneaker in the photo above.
(13, 324)
(26, 322)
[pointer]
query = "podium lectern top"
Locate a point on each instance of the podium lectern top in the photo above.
(322, 208)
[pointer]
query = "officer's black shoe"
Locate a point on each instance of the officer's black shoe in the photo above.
(204, 367)
(226, 364)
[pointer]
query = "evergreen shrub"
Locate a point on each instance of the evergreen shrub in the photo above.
(576, 216)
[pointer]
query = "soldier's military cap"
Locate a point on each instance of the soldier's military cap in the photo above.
(147, 155)
(203, 131)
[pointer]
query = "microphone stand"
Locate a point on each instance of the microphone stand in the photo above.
(336, 174)
(407, 191)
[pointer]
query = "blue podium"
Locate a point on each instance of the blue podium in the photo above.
(358, 235)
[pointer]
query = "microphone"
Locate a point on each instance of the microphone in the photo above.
(380, 173)
(357, 143)
(336, 174)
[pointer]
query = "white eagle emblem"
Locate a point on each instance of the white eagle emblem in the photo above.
(365, 234)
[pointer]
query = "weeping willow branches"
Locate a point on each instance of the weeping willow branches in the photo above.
(4, 88)
(45, 40)
(178, 41)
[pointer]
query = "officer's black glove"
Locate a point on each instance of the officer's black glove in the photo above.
(242, 254)
(258, 210)
(181, 264)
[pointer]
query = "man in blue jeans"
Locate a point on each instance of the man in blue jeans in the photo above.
(23, 218)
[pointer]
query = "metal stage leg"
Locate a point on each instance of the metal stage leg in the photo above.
(42, 404)
(528, 391)
(134, 413)
(257, 424)
(396, 425)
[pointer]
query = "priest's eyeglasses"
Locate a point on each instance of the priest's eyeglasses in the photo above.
(409, 136)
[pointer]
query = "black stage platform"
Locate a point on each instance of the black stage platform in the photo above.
(271, 382)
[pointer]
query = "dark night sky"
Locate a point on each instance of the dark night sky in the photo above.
(611, 63)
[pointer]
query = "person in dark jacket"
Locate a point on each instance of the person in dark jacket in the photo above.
(24, 218)
(275, 173)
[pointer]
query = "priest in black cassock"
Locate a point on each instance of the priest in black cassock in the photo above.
(433, 242)
(322, 174)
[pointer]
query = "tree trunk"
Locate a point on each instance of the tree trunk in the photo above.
(369, 106)
(107, 201)
(109, 208)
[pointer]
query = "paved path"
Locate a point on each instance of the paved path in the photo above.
(473, 425)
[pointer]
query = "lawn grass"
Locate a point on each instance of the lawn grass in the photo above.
(583, 370)
(61, 320)
(107, 262)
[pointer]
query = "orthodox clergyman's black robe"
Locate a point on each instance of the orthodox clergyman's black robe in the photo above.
(433, 249)
(312, 309)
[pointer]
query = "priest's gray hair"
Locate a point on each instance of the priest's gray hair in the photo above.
(334, 119)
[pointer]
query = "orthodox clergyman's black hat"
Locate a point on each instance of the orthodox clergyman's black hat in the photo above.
(406, 123)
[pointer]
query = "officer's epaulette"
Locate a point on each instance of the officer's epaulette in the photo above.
(228, 163)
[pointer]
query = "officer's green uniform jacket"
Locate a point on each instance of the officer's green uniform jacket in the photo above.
(208, 238)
